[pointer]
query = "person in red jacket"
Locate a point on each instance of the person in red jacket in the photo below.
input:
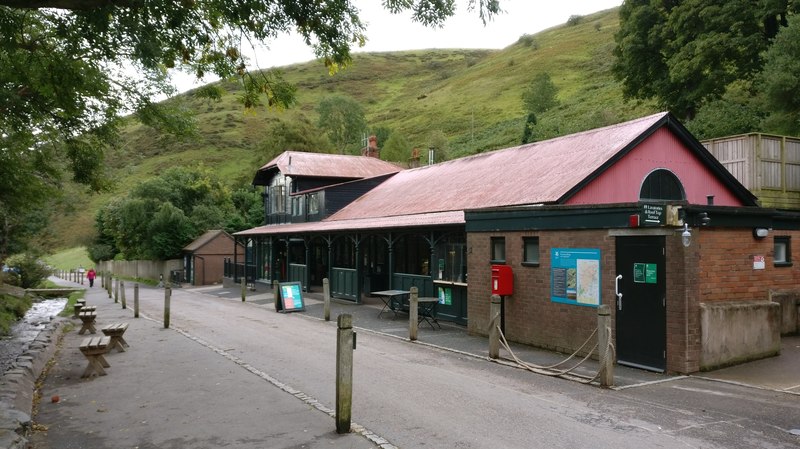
(90, 276)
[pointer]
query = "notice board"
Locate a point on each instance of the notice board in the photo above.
(291, 299)
(575, 276)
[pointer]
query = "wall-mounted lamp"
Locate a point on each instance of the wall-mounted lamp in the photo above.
(760, 233)
(686, 235)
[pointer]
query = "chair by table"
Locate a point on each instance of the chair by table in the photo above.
(392, 300)
(426, 311)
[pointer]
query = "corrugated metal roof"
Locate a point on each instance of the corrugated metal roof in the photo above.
(405, 221)
(541, 172)
(320, 165)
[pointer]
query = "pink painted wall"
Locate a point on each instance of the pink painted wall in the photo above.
(622, 182)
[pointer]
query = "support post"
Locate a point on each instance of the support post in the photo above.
(167, 297)
(413, 307)
(244, 288)
(326, 292)
(276, 293)
(494, 322)
(122, 294)
(136, 300)
(604, 347)
(345, 343)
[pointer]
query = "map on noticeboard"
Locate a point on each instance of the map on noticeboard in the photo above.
(291, 297)
(575, 276)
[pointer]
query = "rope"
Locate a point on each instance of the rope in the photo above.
(549, 369)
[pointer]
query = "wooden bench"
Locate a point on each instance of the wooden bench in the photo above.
(76, 308)
(87, 318)
(115, 331)
(94, 348)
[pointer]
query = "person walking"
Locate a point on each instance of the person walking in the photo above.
(90, 276)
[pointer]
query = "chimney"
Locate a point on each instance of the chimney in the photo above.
(372, 148)
(413, 162)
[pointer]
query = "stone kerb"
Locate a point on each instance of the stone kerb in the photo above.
(18, 383)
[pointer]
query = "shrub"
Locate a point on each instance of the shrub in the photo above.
(574, 20)
(31, 269)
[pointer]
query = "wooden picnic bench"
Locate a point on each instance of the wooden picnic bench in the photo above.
(87, 318)
(115, 331)
(94, 348)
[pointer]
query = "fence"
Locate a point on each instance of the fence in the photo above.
(142, 269)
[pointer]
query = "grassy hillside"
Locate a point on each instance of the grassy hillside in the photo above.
(472, 96)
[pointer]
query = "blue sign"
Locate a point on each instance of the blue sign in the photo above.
(291, 299)
(575, 276)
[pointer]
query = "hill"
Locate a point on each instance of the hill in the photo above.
(473, 97)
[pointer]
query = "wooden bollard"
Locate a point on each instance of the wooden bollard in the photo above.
(345, 344)
(167, 297)
(603, 347)
(108, 285)
(244, 288)
(413, 309)
(276, 292)
(494, 329)
(326, 294)
(136, 300)
(122, 294)
(116, 290)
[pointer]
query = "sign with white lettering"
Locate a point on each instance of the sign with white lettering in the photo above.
(653, 214)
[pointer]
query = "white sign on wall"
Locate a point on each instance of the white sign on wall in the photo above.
(759, 262)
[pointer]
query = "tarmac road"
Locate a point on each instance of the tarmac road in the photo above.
(228, 374)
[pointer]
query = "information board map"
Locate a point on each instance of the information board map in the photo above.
(575, 276)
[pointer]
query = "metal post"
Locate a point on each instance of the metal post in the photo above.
(167, 297)
(326, 292)
(345, 344)
(494, 331)
(413, 307)
(604, 347)
(136, 300)
(122, 294)
(244, 288)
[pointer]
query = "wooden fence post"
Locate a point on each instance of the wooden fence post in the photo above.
(603, 345)
(116, 290)
(136, 300)
(413, 309)
(345, 343)
(326, 292)
(276, 293)
(122, 294)
(494, 331)
(167, 297)
(244, 288)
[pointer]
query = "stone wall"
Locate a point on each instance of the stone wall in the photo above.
(738, 331)
(141, 269)
(790, 310)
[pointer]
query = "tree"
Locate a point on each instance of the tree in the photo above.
(343, 120)
(540, 95)
(779, 81)
(397, 148)
(70, 68)
(685, 53)
(527, 132)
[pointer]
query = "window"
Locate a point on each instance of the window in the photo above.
(783, 251)
(277, 199)
(499, 249)
(298, 206)
(662, 185)
(530, 251)
(412, 255)
(450, 259)
(313, 204)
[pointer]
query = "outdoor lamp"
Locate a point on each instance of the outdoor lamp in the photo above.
(686, 235)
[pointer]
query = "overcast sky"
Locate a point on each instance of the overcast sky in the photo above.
(387, 32)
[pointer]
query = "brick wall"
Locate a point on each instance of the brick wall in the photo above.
(726, 265)
(530, 316)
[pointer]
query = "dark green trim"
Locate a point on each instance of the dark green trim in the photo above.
(550, 218)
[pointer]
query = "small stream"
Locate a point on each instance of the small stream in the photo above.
(26, 330)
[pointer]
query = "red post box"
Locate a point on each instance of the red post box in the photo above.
(502, 280)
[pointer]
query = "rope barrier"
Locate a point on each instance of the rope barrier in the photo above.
(549, 369)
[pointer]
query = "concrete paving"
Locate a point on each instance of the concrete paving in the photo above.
(166, 379)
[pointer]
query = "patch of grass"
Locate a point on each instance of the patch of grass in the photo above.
(12, 308)
(69, 309)
(70, 258)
